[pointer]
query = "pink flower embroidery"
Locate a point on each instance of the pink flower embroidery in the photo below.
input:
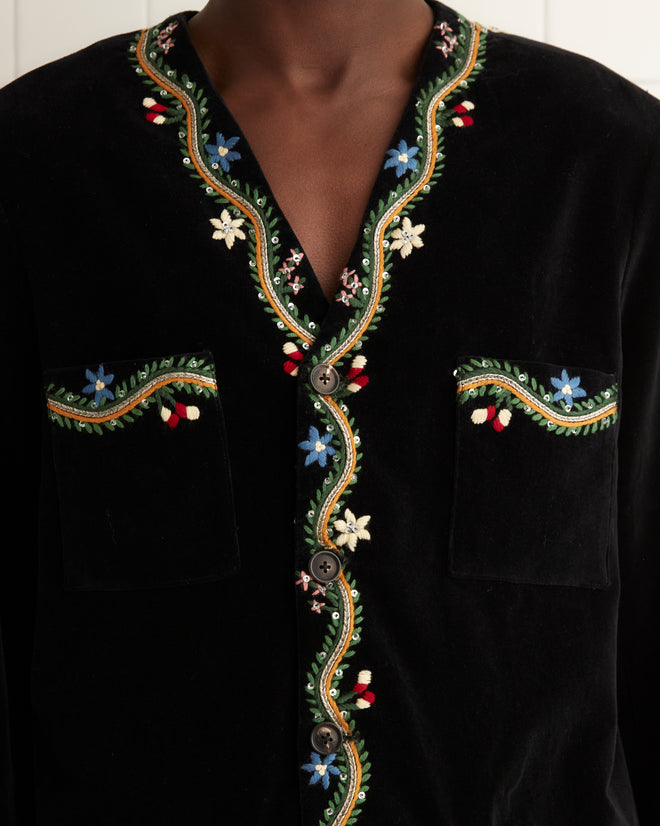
(304, 580)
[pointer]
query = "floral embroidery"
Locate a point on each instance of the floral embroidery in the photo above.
(511, 388)
(154, 384)
(222, 151)
(345, 297)
(351, 283)
(321, 768)
(407, 236)
(388, 228)
(164, 40)
(351, 529)
(227, 229)
(318, 447)
(293, 283)
(402, 158)
(568, 389)
(296, 284)
(98, 385)
(304, 580)
(449, 39)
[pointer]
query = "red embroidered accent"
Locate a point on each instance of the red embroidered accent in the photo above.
(358, 380)
(295, 355)
(461, 110)
(155, 113)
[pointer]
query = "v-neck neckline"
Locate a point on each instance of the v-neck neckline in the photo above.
(179, 68)
(264, 181)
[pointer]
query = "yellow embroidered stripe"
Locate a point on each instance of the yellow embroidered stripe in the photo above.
(346, 476)
(335, 495)
(342, 817)
(327, 675)
(106, 415)
(234, 198)
(406, 198)
(577, 420)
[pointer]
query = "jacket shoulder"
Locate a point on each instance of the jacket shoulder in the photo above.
(571, 88)
(68, 87)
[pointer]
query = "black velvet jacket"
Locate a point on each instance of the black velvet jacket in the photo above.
(389, 559)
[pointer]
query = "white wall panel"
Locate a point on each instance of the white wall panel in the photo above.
(158, 10)
(7, 30)
(622, 36)
(627, 43)
(48, 29)
(524, 17)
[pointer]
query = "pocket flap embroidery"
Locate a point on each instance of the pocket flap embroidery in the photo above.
(571, 406)
(532, 506)
(103, 401)
(152, 507)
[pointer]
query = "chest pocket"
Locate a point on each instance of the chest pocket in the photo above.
(142, 473)
(534, 475)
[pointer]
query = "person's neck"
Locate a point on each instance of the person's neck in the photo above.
(310, 47)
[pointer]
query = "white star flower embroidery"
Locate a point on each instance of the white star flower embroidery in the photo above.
(226, 229)
(406, 237)
(351, 529)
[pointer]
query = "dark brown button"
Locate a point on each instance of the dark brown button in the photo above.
(326, 738)
(324, 379)
(325, 566)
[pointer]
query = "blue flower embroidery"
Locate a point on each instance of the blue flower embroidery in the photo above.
(221, 151)
(98, 384)
(402, 158)
(318, 447)
(567, 389)
(321, 768)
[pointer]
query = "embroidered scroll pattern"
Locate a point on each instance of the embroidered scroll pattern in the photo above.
(505, 388)
(105, 404)
(183, 102)
(332, 443)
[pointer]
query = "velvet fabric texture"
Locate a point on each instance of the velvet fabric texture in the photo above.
(160, 627)
(183, 536)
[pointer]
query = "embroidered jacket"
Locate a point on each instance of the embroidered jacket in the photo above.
(388, 559)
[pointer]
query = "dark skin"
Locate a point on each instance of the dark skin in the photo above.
(318, 88)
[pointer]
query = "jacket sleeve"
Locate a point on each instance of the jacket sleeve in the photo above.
(639, 501)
